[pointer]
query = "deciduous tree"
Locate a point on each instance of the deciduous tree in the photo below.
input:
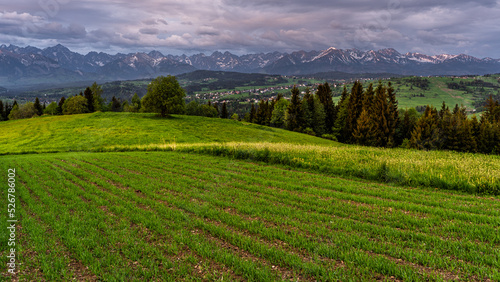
(165, 96)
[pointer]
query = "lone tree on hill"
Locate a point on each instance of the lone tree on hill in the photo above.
(165, 96)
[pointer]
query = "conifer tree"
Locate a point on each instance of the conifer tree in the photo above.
(425, 136)
(369, 98)
(252, 117)
(115, 106)
(269, 114)
(393, 139)
(354, 109)
(447, 127)
(308, 109)
(410, 118)
(293, 115)
(324, 94)
(488, 137)
(90, 99)
(380, 117)
(98, 101)
(339, 127)
(475, 127)
(38, 107)
(260, 116)
(319, 117)
(6, 112)
(216, 107)
(364, 133)
(59, 106)
(224, 114)
(492, 111)
(344, 95)
(2, 112)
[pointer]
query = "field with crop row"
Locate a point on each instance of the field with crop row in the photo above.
(172, 216)
(472, 173)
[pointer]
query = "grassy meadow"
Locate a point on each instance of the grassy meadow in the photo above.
(132, 197)
(88, 132)
(177, 216)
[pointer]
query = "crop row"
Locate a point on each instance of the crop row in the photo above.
(156, 215)
(472, 173)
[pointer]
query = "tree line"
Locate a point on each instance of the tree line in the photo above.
(371, 117)
(367, 117)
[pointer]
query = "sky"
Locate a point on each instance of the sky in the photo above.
(253, 26)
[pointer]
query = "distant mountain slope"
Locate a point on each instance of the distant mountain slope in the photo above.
(25, 66)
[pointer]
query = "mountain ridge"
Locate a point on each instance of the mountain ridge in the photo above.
(27, 65)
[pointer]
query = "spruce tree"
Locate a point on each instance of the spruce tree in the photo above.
(38, 107)
(252, 117)
(393, 139)
(340, 128)
(354, 109)
(269, 114)
(115, 106)
(343, 96)
(475, 127)
(410, 118)
(380, 117)
(98, 101)
(364, 133)
(6, 112)
(319, 117)
(90, 99)
(2, 112)
(293, 115)
(447, 127)
(216, 107)
(425, 136)
(260, 116)
(492, 111)
(369, 98)
(60, 105)
(224, 114)
(308, 109)
(488, 137)
(324, 94)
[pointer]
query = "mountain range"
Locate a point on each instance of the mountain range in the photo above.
(25, 66)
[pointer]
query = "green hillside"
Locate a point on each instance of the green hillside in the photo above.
(93, 131)
(412, 92)
(141, 198)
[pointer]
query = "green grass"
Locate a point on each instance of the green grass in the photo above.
(89, 132)
(170, 216)
(411, 96)
(199, 199)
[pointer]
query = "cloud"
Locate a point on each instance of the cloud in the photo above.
(207, 30)
(150, 31)
(258, 25)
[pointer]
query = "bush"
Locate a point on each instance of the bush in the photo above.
(25, 111)
(75, 105)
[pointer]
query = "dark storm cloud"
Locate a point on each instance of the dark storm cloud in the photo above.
(427, 26)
